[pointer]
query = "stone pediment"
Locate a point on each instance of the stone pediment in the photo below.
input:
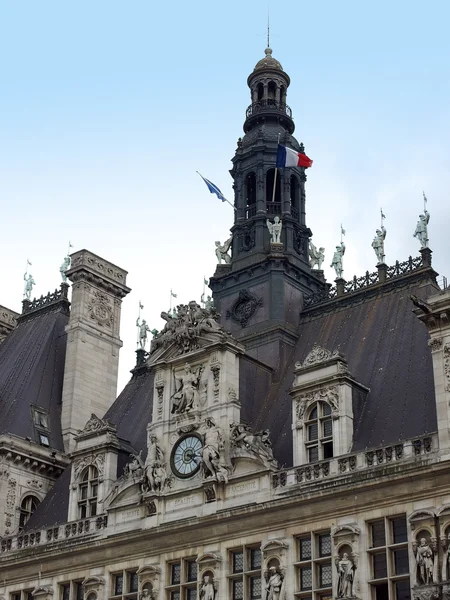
(316, 356)
(95, 426)
(190, 328)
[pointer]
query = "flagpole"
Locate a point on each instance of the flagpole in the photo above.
(170, 305)
(424, 202)
(276, 173)
(221, 196)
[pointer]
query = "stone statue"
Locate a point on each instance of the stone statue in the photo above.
(64, 267)
(135, 466)
(336, 263)
(421, 232)
(209, 303)
(146, 594)
(29, 282)
(143, 330)
(378, 244)
(190, 324)
(316, 257)
(186, 396)
(208, 587)
(345, 569)
(258, 443)
(212, 453)
(425, 562)
(222, 251)
(274, 583)
(154, 466)
(275, 230)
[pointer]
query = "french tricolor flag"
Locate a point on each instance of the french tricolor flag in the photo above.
(286, 157)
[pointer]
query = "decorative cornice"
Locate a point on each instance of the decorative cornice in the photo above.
(88, 267)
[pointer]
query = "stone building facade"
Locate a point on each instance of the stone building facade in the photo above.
(289, 440)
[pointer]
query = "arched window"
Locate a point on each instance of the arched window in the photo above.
(250, 189)
(295, 194)
(260, 90)
(319, 432)
(269, 192)
(87, 493)
(27, 507)
(271, 93)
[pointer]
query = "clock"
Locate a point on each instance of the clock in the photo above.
(186, 456)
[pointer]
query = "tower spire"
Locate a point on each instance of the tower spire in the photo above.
(268, 26)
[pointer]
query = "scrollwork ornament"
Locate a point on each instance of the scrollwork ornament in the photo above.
(244, 308)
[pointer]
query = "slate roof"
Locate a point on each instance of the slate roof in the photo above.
(386, 347)
(32, 370)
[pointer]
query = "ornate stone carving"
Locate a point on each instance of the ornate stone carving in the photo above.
(96, 425)
(298, 241)
(424, 556)
(244, 308)
(151, 507)
(160, 399)
(101, 266)
(215, 368)
(210, 493)
(246, 238)
(185, 329)
(35, 483)
(256, 444)
(42, 592)
(346, 573)
(213, 459)
(447, 366)
(435, 344)
(186, 396)
(317, 355)
(135, 468)
(97, 460)
(328, 394)
(10, 504)
(100, 309)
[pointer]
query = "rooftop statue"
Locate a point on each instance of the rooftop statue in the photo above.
(143, 330)
(316, 257)
(64, 267)
(336, 263)
(378, 244)
(29, 282)
(222, 251)
(275, 230)
(421, 232)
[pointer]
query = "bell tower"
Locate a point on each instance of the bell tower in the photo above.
(260, 292)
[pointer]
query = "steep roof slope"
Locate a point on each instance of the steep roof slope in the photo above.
(32, 370)
(386, 347)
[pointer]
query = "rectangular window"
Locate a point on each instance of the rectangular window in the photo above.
(64, 591)
(314, 569)
(133, 582)
(43, 439)
(245, 579)
(79, 593)
(378, 535)
(15, 596)
(313, 432)
(389, 559)
(182, 576)
(238, 562)
(118, 585)
(313, 454)
(175, 573)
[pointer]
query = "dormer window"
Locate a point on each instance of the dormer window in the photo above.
(41, 423)
(87, 493)
(319, 432)
(41, 419)
(43, 439)
(27, 508)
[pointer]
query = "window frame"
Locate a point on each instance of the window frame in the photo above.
(314, 563)
(249, 573)
(185, 583)
(322, 441)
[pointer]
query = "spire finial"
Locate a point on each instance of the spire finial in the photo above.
(268, 26)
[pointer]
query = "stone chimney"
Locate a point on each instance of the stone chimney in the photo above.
(93, 342)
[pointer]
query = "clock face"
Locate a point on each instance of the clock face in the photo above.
(187, 456)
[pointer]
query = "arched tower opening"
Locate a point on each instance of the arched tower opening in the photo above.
(273, 202)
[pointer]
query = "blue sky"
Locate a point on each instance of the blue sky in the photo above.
(108, 108)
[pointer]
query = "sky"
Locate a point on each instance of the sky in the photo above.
(108, 109)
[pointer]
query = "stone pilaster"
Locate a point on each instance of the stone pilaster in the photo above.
(93, 342)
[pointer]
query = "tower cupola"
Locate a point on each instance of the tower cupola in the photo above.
(268, 86)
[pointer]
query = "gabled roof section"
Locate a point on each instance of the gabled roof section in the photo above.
(32, 361)
(386, 347)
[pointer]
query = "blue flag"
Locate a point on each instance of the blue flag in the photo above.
(213, 189)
